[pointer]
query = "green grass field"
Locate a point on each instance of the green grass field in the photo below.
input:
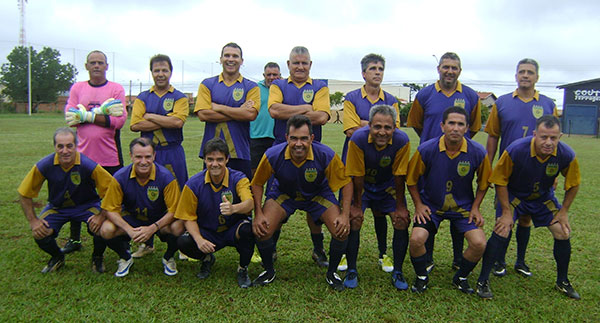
(300, 293)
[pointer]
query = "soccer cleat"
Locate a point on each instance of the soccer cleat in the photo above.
(256, 257)
(420, 285)
(242, 278)
(54, 264)
(343, 264)
(123, 267)
(523, 269)
(483, 290)
(499, 269)
(320, 258)
(170, 268)
(566, 288)
(206, 266)
(70, 246)
(430, 266)
(462, 284)
(264, 278)
(334, 281)
(386, 263)
(98, 264)
(398, 281)
(142, 251)
(351, 279)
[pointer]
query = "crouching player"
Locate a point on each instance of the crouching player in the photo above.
(140, 202)
(440, 182)
(215, 205)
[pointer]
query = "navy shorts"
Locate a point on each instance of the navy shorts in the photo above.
(460, 221)
(541, 211)
(384, 202)
(224, 238)
(315, 207)
(172, 157)
(257, 150)
(57, 217)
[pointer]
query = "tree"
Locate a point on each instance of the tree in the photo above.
(336, 98)
(414, 88)
(48, 76)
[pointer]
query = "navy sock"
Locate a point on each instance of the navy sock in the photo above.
(117, 245)
(381, 233)
(245, 244)
(420, 265)
(150, 242)
(429, 247)
(352, 249)
(501, 256)
(265, 248)
(522, 241)
(562, 255)
(465, 268)
(493, 247)
(75, 230)
(336, 250)
(99, 246)
(48, 244)
(317, 240)
(276, 238)
(171, 241)
(188, 246)
(399, 247)
(458, 241)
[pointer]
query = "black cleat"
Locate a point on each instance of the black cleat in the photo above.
(499, 269)
(523, 270)
(566, 288)
(54, 264)
(98, 264)
(483, 290)
(264, 278)
(242, 278)
(320, 258)
(206, 266)
(430, 266)
(335, 281)
(70, 246)
(462, 284)
(420, 285)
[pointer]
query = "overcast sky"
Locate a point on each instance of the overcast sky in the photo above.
(489, 36)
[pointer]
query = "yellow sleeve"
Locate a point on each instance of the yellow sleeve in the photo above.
(32, 183)
(172, 194)
(188, 203)
(102, 178)
(483, 173)
(138, 111)
(355, 160)
(263, 172)
(572, 174)
(397, 108)
(415, 115)
(476, 117)
(321, 101)
(350, 118)
(113, 200)
(416, 168)
(181, 109)
(400, 166)
(243, 189)
(492, 127)
(204, 99)
(502, 171)
(335, 173)
(275, 95)
(254, 95)
(555, 111)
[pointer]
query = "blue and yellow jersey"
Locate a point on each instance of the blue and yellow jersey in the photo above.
(513, 117)
(200, 200)
(378, 166)
(146, 201)
(322, 170)
(429, 106)
(528, 177)
(447, 181)
(313, 92)
(80, 184)
(173, 104)
(357, 106)
(235, 133)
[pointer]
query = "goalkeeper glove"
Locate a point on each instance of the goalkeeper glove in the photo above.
(79, 115)
(110, 107)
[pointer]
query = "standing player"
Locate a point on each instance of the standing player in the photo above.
(446, 167)
(377, 161)
(524, 178)
(215, 206)
(301, 95)
(98, 125)
(426, 114)
(357, 105)
(74, 183)
(307, 173)
(140, 202)
(514, 116)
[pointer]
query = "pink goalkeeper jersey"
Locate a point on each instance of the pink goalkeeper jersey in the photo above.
(98, 142)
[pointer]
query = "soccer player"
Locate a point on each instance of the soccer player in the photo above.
(299, 94)
(377, 161)
(524, 179)
(75, 185)
(514, 116)
(159, 114)
(426, 114)
(357, 105)
(307, 173)
(140, 202)
(447, 166)
(215, 205)
(98, 123)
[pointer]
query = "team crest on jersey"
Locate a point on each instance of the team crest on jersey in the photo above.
(310, 174)
(238, 93)
(152, 192)
(459, 103)
(537, 111)
(551, 169)
(168, 104)
(385, 161)
(75, 178)
(228, 195)
(463, 168)
(307, 95)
